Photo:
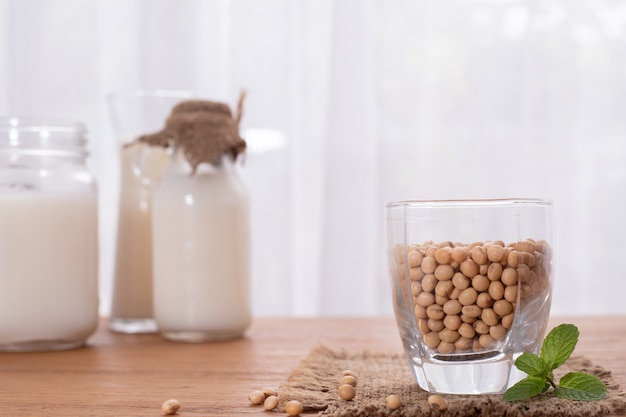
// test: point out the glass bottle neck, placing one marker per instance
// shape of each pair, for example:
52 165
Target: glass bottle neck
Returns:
181 165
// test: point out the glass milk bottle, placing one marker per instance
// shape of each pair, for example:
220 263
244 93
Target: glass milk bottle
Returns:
200 227
48 237
134 113
201 252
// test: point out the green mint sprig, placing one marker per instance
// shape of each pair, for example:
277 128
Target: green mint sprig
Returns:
555 350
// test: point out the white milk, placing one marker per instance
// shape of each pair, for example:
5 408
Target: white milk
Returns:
201 255
48 269
132 290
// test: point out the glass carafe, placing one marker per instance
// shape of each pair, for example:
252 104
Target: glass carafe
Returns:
135 113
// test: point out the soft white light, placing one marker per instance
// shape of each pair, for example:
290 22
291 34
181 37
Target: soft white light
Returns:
189 199
262 140
13 137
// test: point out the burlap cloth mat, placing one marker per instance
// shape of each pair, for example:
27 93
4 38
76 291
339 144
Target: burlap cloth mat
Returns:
314 383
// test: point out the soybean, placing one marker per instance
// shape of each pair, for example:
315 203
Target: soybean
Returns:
256 397
393 402
437 402
463 344
481 327
469 268
270 403
496 290
429 282
479 255
428 265
414 259
489 317
435 325
444 272
468 296
487 341
170 407
480 283
452 307
509 276
445 348
502 308
415 274
346 392
435 311
507 321
452 322
348 379
484 300
472 311
460 281
269 392
444 288
498 332
495 253
494 272
294 408
432 340
510 293
348 372
425 299
442 256
458 254
466 330
448 335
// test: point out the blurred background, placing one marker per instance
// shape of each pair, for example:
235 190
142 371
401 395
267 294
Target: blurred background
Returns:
352 104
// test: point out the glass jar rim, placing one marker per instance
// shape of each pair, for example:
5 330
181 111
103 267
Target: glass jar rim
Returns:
31 134
478 202
37 124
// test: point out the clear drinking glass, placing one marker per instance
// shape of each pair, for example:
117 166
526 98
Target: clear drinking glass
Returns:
136 113
472 283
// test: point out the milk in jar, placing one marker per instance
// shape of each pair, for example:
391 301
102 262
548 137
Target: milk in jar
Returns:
134 113
48 237
200 226
131 307
201 254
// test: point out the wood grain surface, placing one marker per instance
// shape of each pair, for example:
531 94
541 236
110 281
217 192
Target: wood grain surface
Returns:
132 375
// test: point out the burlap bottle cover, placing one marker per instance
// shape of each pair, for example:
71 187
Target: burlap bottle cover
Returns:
203 130
315 383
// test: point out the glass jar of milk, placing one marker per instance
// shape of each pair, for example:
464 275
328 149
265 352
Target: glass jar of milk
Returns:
200 225
48 237
200 232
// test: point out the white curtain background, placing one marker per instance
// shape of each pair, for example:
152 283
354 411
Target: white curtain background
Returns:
353 104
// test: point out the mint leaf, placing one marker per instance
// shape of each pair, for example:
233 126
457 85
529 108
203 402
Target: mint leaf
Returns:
580 386
559 345
526 388
532 364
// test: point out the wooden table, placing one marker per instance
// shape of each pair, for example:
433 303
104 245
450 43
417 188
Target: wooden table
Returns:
131 375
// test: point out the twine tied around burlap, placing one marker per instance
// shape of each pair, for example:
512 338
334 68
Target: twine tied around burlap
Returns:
314 383
203 130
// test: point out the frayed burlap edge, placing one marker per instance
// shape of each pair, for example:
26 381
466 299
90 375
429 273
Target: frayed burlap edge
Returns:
314 383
